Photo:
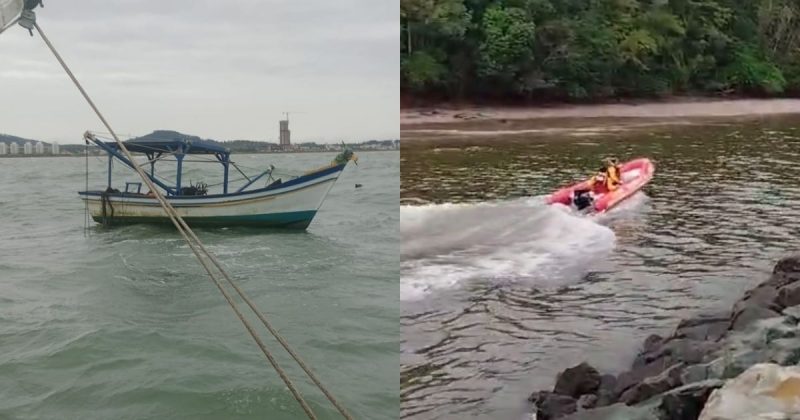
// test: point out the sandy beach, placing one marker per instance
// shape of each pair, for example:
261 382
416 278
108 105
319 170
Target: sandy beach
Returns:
583 120
684 108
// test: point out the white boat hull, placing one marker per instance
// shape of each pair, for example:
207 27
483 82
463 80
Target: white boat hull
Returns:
291 205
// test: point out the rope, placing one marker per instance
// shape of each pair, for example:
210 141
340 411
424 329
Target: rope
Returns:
104 200
86 202
199 250
9 25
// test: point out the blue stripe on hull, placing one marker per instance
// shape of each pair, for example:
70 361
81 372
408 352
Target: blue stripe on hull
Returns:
290 220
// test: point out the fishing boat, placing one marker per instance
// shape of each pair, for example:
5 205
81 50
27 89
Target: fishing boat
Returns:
634 175
263 200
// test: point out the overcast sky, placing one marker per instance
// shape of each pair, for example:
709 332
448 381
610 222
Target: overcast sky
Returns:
218 69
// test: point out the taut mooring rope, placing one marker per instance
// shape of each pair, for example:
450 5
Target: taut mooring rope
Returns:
200 252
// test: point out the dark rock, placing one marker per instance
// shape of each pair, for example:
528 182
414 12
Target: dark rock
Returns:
651 343
654 385
536 396
710 328
652 388
744 317
626 380
614 412
774 334
605 394
550 406
789 295
466 116
690 351
695 373
686 402
587 401
792 358
578 380
741 361
676 350
764 295
787 269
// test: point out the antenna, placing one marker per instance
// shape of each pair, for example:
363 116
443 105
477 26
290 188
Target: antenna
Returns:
287 113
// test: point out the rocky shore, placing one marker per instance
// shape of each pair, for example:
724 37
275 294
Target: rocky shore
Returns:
674 376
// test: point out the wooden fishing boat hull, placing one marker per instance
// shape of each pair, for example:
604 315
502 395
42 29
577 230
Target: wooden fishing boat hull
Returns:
292 204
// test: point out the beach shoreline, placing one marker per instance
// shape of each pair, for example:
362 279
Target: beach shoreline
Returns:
682 108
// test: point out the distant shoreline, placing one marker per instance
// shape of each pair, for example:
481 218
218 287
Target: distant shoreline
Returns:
685 107
21 156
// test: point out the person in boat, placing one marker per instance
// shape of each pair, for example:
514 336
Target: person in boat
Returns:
608 178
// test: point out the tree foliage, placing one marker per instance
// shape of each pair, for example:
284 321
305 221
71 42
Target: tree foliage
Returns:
599 48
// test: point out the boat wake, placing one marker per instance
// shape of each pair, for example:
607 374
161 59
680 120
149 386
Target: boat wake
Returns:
520 240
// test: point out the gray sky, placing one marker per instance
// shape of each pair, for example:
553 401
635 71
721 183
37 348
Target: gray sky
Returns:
218 69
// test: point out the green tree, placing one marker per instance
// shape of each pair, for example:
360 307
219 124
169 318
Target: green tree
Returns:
586 49
506 50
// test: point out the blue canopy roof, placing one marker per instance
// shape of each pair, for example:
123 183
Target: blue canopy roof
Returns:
188 146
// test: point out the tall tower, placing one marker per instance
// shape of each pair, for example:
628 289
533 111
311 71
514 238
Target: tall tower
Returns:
285 135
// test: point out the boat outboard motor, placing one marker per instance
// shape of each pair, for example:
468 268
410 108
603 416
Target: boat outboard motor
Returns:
582 199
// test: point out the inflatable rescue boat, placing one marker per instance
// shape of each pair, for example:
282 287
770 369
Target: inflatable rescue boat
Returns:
634 175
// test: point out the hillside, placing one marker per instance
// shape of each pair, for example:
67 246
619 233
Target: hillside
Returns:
540 51
236 146
7 138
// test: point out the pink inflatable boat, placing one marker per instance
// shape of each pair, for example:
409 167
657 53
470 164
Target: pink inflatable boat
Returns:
633 176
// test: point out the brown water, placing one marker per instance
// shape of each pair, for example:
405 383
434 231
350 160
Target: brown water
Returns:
501 292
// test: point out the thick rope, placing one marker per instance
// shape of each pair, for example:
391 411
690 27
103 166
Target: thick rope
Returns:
9 25
86 202
196 247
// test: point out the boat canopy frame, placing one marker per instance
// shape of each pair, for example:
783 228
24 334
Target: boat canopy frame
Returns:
155 149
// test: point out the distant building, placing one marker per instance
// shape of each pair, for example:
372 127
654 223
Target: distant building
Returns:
27 148
13 148
39 148
54 148
3 149
285 134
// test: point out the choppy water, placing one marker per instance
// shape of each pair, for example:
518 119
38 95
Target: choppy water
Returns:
123 323
501 292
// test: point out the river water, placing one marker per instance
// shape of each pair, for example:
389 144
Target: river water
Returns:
123 322
501 292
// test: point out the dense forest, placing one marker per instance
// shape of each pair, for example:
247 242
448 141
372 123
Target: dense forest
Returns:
598 49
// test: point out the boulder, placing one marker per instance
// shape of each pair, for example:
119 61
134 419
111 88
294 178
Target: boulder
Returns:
686 402
764 295
747 315
695 373
792 314
652 386
551 406
709 327
615 412
577 380
636 375
676 350
734 363
605 394
787 270
587 401
764 391
789 295
651 343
